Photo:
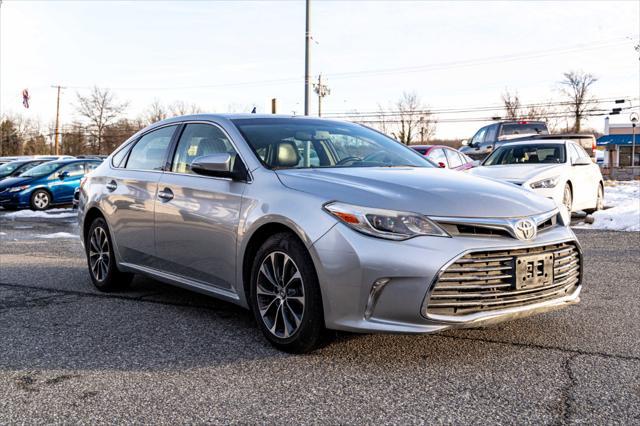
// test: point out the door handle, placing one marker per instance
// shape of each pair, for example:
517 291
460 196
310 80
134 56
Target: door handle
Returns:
166 194
111 186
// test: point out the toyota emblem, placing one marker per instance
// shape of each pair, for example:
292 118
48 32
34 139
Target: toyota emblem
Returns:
525 229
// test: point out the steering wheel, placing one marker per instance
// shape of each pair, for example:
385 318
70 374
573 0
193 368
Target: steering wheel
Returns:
372 156
347 159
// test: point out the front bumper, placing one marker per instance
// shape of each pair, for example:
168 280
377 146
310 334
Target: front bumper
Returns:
14 199
375 285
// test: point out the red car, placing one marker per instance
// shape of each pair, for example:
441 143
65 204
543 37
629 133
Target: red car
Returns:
445 157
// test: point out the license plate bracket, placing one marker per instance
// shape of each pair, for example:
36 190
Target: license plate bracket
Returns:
533 271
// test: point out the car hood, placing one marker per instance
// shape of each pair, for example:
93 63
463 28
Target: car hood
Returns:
515 173
14 181
430 191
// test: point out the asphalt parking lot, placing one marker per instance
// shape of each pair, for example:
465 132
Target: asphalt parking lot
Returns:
158 354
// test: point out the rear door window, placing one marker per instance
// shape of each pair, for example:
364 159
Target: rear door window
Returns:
150 152
453 158
437 156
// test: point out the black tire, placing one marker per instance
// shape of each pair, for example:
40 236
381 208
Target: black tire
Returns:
101 261
310 331
567 197
599 201
40 199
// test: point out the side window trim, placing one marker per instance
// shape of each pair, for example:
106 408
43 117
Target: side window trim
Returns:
173 147
173 136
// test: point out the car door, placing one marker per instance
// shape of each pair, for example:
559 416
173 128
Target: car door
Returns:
579 177
64 181
197 216
592 177
130 194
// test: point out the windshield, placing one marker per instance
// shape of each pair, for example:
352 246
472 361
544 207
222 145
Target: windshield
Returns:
298 143
527 154
41 170
523 129
7 169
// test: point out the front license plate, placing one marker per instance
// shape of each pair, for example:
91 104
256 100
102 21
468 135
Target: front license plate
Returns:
534 271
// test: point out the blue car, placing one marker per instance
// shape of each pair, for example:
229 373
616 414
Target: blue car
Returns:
45 185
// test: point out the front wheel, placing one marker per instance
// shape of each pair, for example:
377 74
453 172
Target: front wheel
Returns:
40 200
101 261
567 197
285 295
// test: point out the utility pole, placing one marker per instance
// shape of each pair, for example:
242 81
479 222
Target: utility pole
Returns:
57 133
321 90
273 105
307 37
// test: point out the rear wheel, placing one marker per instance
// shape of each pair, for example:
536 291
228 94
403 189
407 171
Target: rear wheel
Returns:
567 197
285 295
104 272
40 200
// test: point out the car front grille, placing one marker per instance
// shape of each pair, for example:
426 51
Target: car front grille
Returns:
485 281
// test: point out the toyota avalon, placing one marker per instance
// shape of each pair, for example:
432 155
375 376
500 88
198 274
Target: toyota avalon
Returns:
315 224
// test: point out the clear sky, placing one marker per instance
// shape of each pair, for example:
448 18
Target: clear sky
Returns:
239 54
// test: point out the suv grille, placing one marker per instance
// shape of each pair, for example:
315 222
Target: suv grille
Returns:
484 281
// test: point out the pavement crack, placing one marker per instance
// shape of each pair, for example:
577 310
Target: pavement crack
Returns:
567 392
543 347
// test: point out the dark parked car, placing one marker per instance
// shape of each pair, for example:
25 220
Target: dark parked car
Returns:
45 185
15 168
492 136
445 157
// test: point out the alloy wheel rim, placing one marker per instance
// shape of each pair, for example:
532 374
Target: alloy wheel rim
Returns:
41 200
567 198
280 294
99 256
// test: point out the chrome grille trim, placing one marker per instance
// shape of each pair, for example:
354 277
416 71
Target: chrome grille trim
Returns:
481 282
495 227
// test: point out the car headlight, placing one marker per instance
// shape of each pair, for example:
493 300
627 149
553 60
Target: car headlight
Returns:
382 223
18 188
545 183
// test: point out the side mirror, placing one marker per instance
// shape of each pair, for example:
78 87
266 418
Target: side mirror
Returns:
63 175
217 165
582 161
442 165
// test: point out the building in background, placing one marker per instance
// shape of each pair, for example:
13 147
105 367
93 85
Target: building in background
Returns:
617 143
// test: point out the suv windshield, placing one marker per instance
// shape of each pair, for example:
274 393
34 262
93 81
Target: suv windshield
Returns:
527 154
41 170
300 143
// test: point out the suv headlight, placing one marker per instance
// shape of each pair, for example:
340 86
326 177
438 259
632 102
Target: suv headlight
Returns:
545 183
18 188
382 223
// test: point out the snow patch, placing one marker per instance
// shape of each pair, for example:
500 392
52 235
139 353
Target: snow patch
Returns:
623 198
53 213
57 235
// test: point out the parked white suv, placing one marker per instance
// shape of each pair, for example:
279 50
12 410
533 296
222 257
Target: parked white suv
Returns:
559 169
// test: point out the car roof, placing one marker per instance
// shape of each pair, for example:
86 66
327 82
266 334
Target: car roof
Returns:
536 142
74 160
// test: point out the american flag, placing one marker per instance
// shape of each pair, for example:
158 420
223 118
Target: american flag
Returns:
25 98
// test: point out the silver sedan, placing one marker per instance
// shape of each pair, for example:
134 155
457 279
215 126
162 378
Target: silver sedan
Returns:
315 225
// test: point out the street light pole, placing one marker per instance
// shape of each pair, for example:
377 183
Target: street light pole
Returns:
307 37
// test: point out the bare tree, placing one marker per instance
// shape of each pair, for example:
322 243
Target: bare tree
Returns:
155 112
182 108
101 109
511 105
414 119
576 87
